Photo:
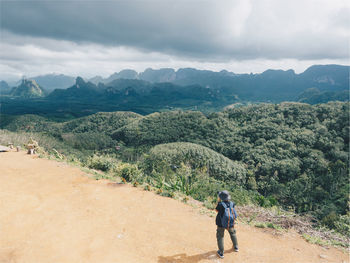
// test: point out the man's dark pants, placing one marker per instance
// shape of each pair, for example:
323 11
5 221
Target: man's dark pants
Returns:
220 232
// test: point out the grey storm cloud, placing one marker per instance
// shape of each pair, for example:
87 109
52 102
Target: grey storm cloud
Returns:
201 30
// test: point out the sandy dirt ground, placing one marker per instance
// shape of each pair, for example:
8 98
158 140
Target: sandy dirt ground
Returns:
51 212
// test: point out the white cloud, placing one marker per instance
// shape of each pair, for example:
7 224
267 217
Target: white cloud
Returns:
101 37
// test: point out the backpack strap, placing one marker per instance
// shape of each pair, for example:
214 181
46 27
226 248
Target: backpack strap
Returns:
233 214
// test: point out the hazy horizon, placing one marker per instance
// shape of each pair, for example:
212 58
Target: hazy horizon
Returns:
108 75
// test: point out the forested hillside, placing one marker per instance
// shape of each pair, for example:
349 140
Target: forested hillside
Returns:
296 153
291 154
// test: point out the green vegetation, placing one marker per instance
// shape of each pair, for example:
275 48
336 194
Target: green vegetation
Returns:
267 225
104 163
315 96
294 154
175 155
314 239
291 155
102 122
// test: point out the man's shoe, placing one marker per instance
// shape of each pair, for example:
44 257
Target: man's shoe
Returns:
236 249
220 254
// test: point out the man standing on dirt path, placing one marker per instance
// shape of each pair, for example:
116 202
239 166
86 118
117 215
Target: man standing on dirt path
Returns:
225 219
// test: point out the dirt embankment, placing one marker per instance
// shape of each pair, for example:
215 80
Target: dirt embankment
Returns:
51 212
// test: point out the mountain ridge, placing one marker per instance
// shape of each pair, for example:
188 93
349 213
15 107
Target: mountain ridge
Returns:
271 85
28 89
190 89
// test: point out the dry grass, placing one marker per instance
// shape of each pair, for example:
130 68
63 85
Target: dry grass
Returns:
287 220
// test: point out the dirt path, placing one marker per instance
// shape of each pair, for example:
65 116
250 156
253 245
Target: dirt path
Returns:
50 212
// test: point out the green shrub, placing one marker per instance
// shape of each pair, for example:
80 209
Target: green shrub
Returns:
103 163
315 240
129 172
241 196
210 202
342 224
175 155
170 194
260 225
329 220
251 183
101 122
88 140
273 226
266 201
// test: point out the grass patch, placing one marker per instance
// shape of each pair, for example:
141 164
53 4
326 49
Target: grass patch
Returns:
315 240
260 225
274 226
268 225
167 194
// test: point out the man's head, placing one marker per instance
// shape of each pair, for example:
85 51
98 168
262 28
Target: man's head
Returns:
224 195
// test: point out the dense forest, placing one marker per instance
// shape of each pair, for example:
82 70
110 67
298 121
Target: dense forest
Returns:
293 155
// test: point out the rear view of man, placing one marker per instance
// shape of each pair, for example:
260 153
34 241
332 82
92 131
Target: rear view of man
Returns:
225 219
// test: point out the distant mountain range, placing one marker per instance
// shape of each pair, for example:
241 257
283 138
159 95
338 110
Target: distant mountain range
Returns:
335 76
185 76
154 90
271 85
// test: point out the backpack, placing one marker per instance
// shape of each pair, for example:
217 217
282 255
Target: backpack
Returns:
228 218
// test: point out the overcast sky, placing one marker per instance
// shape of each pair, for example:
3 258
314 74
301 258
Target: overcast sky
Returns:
89 38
